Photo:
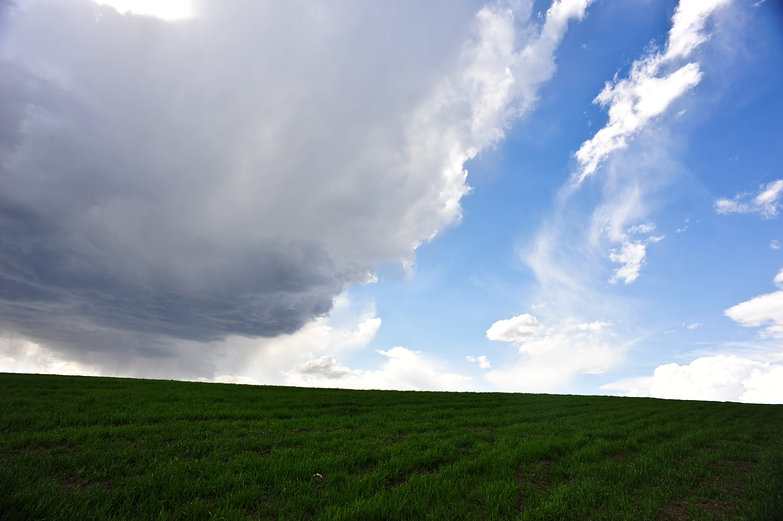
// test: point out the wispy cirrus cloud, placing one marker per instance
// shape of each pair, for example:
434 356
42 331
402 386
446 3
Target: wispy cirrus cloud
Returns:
616 228
587 242
765 203
655 81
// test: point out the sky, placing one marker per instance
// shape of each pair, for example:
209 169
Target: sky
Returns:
569 196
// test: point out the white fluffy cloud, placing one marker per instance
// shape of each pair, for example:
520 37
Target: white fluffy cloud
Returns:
766 202
764 311
550 357
723 377
515 329
653 83
228 174
719 377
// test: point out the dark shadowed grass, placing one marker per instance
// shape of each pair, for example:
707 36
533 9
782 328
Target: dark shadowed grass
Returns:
100 448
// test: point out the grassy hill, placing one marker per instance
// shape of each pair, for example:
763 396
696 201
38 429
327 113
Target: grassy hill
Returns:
103 448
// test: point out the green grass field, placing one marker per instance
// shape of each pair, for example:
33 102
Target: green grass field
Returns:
102 448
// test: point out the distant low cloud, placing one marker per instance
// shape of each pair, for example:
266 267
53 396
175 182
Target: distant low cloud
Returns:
763 311
765 203
720 378
724 377
402 369
551 356
324 367
18 355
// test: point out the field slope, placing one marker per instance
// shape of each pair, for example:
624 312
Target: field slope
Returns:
102 448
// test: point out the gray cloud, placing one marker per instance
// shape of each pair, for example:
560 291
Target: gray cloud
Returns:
230 174
226 175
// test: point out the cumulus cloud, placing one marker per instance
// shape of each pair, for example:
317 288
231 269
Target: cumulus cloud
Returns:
766 202
719 378
516 329
653 83
230 173
551 356
723 377
765 311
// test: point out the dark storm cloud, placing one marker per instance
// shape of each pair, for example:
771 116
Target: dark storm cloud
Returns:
174 184
270 290
226 175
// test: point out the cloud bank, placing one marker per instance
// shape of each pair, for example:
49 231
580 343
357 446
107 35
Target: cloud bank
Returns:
229 174
719 378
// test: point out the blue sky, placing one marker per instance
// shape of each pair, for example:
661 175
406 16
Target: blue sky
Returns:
569 197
